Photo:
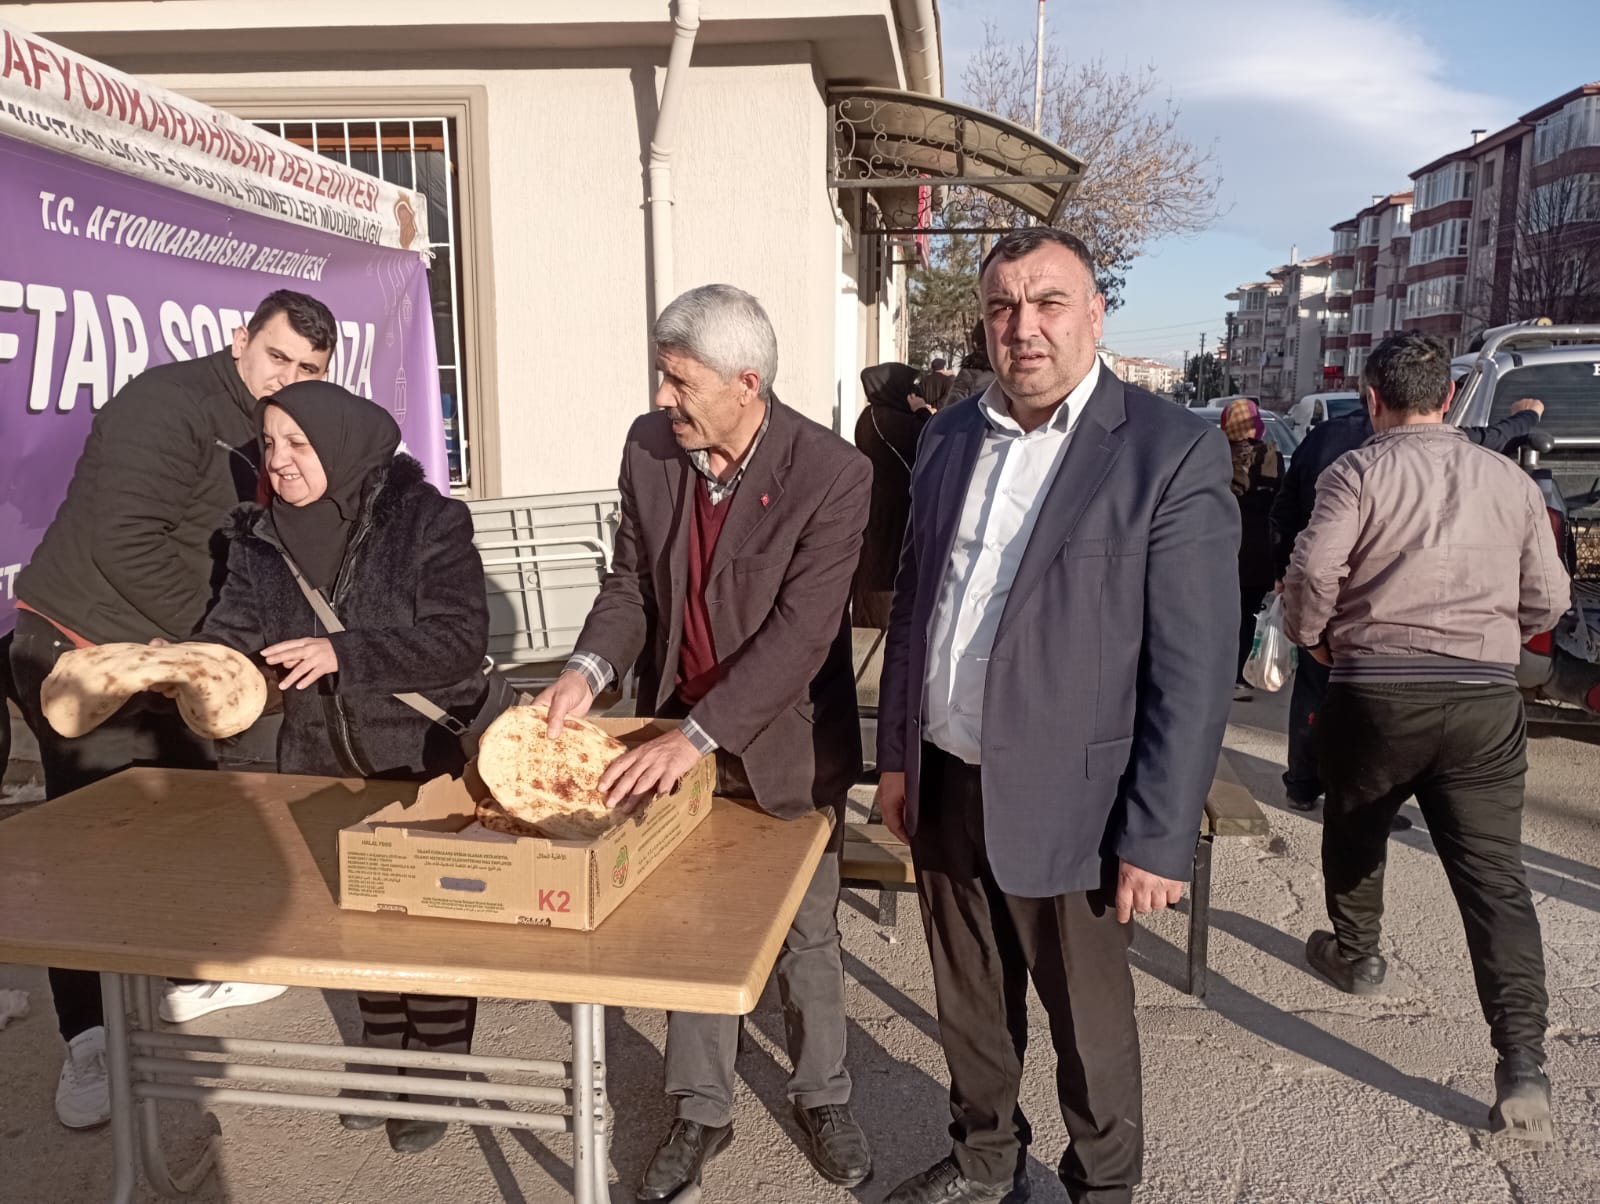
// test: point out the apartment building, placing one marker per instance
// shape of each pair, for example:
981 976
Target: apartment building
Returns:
1293 365
1378 283
1341 291
1260 307
1147 373
1507 228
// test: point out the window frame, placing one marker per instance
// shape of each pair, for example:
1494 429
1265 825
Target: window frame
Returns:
467 105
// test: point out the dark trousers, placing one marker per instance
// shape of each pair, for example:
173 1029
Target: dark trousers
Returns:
1462 751
7 691
1302 781
810 971
146 731
984 945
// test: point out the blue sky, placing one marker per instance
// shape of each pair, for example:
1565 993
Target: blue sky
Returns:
1313 106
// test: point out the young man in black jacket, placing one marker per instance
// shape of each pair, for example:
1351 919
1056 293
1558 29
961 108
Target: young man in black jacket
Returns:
1291 511
136 552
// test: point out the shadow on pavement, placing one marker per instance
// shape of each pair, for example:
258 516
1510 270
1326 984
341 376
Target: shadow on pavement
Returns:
1544 869
1165 961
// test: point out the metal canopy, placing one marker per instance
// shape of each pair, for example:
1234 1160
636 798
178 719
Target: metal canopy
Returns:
883 138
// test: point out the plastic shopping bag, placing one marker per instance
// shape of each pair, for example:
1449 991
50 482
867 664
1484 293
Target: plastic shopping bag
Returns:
1271 656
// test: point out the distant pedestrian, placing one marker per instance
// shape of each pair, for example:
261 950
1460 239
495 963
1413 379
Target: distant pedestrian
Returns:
1426 564
886 433
937 365
976 373
932 390
1257 475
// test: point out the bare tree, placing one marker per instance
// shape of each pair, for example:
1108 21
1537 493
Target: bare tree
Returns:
1143 180
1555 269
1554 265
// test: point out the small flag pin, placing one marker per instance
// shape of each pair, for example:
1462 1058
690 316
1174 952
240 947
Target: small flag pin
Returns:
764 499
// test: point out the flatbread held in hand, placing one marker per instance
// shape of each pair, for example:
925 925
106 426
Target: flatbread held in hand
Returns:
220 692
551 786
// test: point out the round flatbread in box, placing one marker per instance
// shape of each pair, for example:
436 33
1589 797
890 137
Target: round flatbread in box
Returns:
552 786
220 692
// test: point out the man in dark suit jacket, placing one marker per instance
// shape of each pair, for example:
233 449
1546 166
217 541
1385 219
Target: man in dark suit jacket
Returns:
1055 687
741 527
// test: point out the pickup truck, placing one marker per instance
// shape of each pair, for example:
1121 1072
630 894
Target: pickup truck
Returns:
1560 365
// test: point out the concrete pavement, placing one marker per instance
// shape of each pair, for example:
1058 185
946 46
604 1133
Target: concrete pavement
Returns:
1275 1088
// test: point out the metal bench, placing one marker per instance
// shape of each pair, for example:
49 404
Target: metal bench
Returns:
544 557
873 857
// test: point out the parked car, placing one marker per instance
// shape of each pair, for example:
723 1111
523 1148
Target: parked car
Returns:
1279 432
1559 365
1316 408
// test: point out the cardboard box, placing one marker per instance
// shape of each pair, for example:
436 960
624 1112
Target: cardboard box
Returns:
417 859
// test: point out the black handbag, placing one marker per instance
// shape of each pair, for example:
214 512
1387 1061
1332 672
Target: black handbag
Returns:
499 695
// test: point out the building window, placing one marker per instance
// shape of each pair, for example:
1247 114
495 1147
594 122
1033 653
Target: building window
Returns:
1344 241
1369 232
1357 361
1485 231
1402 222
1446 240
1561 202
1575 125
420 154
1431 297
1452 182
1488 176
1361 319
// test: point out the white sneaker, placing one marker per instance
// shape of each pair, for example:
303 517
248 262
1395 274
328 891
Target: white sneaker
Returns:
181 1004
83 1094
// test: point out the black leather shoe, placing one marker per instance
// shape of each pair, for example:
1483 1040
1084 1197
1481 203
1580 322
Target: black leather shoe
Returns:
1521 1100
679 1159
835 1143
943 1183
1353 976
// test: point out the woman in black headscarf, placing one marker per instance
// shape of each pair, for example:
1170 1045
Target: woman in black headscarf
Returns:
886 432
396 562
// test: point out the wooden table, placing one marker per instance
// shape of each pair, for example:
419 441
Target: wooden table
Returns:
196 874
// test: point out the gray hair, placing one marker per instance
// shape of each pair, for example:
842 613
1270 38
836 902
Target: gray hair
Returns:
724 328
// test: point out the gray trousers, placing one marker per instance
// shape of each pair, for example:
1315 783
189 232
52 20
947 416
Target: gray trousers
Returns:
810 973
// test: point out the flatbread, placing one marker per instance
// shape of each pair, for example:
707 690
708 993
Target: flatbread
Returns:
552 786
493 816
220 692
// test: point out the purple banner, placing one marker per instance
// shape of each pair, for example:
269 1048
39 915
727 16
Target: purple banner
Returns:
103 275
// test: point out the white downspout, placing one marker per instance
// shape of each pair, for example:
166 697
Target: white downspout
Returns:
686 23
921 27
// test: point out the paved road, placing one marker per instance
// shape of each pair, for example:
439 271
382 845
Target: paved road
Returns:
1275 1090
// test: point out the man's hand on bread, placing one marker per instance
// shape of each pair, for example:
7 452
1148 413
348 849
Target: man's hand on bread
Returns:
568 697
651 769
306 659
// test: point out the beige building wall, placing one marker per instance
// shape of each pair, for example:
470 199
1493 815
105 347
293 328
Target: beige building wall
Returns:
568 331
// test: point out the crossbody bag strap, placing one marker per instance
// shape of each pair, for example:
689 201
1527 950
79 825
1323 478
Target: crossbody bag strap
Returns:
324 612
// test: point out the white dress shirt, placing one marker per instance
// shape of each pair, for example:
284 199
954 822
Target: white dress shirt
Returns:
1013 473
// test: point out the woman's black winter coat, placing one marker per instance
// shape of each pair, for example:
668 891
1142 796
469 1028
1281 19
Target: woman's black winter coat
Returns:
411 595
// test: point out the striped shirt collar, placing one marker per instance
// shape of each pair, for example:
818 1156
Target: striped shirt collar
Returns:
720 491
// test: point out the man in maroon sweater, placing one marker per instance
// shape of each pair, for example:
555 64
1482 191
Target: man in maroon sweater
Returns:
741 527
